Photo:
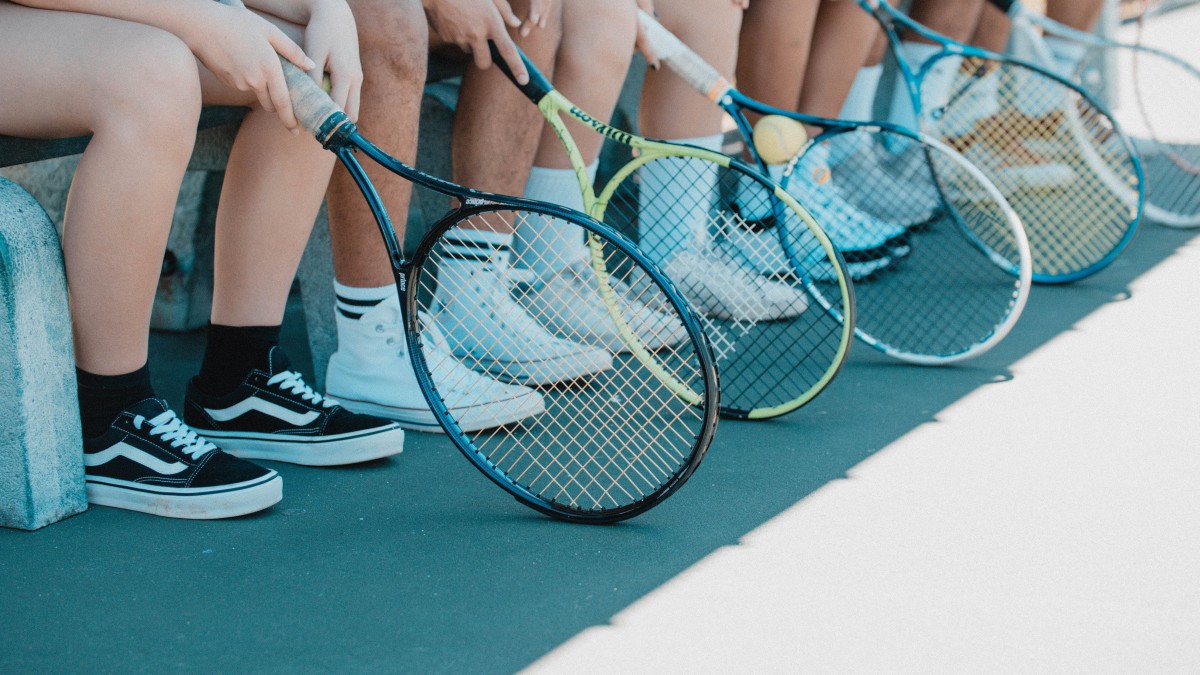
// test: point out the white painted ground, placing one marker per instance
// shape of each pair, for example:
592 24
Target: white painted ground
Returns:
1047 524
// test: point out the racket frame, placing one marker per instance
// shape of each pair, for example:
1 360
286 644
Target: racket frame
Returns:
553 104
334 130
1027 24
706 80
888 18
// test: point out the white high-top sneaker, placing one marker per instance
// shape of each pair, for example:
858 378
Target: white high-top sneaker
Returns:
371 373
486 328
569 304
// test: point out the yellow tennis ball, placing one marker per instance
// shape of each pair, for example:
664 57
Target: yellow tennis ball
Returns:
779 138
326 84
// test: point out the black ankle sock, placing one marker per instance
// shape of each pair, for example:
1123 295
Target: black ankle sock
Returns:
232 352
103 397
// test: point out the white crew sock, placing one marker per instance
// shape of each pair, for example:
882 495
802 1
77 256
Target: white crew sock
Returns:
935 87
860 103
352 301
674 202
546 245
1068 54
464 255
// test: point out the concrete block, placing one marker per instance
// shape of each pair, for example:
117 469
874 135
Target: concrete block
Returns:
184 295
183 300
41 450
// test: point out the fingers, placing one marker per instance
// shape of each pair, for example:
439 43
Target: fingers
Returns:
643 45
346 87
481 54
507 14
539 12
353 102
512 58
281 101
288 49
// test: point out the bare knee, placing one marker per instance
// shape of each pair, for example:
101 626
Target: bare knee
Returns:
393 39
599 35
151 90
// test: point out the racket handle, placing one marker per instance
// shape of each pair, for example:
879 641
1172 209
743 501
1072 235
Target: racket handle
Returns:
538 85
311 105
680 58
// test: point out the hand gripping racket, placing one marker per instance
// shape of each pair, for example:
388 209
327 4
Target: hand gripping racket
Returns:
942 260
615 428
1057 156
779 337
1159 97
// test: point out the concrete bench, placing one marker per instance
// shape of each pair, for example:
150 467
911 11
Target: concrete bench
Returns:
41 475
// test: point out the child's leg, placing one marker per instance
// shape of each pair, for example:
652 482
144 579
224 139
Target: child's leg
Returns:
371 371
136 90
589 69
246 397
670 108
141 101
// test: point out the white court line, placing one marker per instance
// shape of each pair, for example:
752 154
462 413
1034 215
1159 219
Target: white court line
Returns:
1050 523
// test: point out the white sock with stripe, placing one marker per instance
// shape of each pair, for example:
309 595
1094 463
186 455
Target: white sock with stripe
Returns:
352 302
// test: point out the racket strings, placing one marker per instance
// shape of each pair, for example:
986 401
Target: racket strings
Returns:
1056 159
1165 95
954 277
767 293
567 319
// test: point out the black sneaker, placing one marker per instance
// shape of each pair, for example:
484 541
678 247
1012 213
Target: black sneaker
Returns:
275 415
150 461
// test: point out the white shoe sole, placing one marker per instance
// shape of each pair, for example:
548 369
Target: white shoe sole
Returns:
202 504
544 372
311 451
472 418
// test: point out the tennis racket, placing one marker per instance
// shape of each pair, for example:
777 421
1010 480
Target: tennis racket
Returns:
951 268
1079 195
780 338
1158 101
621 430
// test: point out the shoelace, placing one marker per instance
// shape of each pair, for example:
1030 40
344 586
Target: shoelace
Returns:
175 432
293 383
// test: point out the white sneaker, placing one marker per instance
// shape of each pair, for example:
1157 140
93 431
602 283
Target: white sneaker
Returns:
569 305
489 331
1009 175
867 243
763 251
860 236
720 287
371 373
893 185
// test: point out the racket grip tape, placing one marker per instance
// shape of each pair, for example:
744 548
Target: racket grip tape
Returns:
682 60
311 105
